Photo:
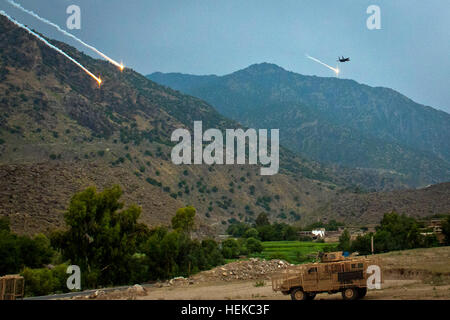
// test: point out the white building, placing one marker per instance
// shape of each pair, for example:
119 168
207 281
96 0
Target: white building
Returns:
319 232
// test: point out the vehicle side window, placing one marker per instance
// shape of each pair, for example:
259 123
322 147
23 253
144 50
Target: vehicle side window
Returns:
360 265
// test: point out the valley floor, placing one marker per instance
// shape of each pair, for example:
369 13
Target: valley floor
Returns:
419 274
246 290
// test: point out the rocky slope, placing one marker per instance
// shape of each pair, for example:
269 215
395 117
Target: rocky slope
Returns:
366 208
60 132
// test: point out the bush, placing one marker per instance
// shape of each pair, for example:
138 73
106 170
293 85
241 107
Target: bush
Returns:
344 241
396 232
230 249
254 245
237 229
251 233
153 182
40 282
278 255
17 252
260 283
170 254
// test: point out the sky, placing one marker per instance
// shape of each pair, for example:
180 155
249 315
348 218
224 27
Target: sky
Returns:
410 53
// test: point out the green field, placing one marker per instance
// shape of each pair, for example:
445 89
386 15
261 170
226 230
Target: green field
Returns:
294 251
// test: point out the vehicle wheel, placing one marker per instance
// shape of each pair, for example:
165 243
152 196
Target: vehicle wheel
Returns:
362 293
350 294
298 294
310 296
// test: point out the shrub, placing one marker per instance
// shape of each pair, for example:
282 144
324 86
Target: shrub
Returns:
40 282
153 182
230 249
251 233
254 245
260 283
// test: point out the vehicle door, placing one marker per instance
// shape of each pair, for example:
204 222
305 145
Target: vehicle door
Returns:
310 279
324 278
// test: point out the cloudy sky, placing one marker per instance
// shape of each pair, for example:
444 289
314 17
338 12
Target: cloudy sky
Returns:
411 52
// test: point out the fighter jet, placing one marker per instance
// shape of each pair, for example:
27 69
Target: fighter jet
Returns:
343 59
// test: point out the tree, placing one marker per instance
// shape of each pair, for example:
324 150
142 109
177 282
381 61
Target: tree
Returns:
184 219
254 245
173 253
268 233
4 224
397 232
102 236
446 230
17 252
262 220
251 233
345 241
362 244
238 229
10 261
230 249
35 252
284 231
212 253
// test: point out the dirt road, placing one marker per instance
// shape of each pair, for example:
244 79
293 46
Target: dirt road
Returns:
391 290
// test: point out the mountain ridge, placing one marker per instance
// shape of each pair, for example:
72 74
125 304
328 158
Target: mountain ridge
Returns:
61 133
350 124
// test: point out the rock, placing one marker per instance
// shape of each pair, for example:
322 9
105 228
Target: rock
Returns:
250 269
140 290
95 294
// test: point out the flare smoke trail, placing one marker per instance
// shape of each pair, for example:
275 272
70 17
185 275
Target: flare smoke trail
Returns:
18 6
3 13
336 70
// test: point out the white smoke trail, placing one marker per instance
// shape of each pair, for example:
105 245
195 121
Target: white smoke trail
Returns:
3 13
336 70
18 6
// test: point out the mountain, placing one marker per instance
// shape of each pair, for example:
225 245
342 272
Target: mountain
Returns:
60 133
333 121
366 208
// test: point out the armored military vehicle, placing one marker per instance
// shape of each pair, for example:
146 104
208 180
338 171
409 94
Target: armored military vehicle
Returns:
334 273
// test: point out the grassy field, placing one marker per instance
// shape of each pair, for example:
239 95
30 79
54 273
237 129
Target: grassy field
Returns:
294 251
